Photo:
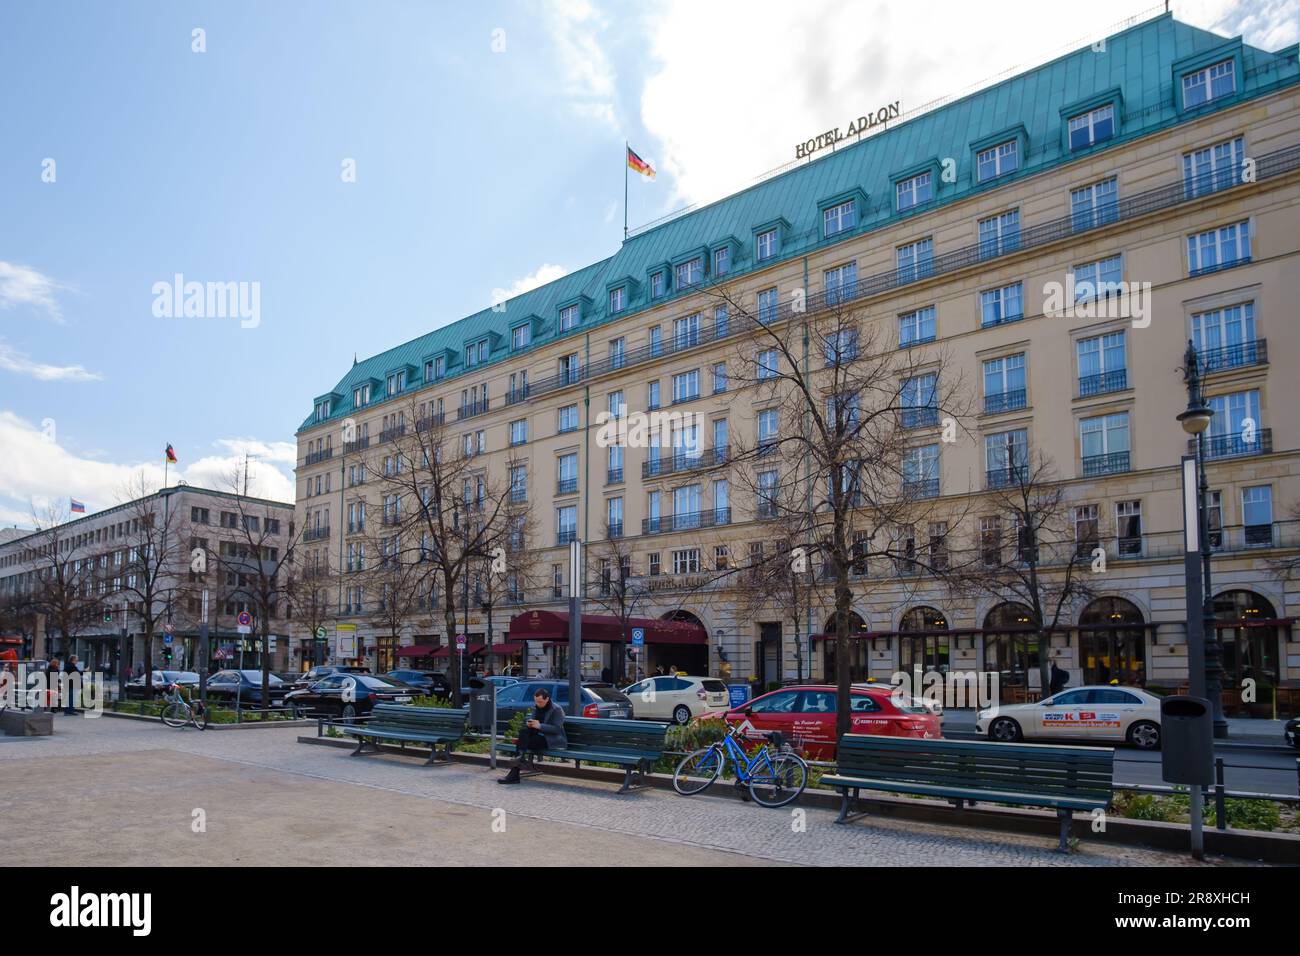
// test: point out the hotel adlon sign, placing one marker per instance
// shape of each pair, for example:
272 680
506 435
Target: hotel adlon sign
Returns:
858 126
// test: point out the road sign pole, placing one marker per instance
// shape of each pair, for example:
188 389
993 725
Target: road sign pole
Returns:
575 627
203 652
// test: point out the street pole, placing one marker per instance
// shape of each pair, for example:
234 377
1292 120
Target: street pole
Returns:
121 657
1196 674
1213 661
203 652
575 625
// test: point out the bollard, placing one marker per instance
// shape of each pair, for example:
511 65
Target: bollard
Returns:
1220 802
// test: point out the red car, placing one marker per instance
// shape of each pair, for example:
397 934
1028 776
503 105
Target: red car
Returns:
808 712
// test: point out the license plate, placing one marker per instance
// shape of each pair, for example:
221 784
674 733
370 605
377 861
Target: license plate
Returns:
618 713
401 700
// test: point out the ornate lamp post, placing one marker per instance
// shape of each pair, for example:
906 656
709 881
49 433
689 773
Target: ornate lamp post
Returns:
1195 419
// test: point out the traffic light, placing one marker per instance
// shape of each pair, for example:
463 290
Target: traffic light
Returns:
167 655
108 615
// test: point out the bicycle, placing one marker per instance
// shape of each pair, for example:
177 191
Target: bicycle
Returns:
773 779
179 712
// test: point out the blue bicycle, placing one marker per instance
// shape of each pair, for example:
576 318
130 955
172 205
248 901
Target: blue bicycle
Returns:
773 779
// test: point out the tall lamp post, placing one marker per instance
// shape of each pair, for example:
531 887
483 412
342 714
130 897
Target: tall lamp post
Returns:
1208 678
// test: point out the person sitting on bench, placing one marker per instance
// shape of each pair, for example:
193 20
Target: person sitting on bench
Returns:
544 730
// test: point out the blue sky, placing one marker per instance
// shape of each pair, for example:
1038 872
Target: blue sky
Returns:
487 140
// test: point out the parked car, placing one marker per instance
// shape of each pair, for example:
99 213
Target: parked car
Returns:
347 695
1291 731
135 687
307 678
246 685
806 714
498 679
429 683
596 701
1104 712
677 698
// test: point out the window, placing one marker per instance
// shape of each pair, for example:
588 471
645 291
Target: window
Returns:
915 260
1234 429
720 431
1092 127
616 353
841 347
1093 280
1102 366
686 561
721 557
997 161
652 564
767 488
1104 444
652 395
991 541
686 331
916 327
914 191
1214 518
1209 84
521 336
1095 204
361 396
921 471
1004 384
567 468
767 363
614 471
686 386
1218 248
322 410
518 483
690 273
614 517
1128 527
1086 532
1002 305
617 405
721 501
618 299
656 341
557 590
200 516
999 234
919 397
841 283
566 524
938 545
1006 458
1214 167
722 261
657 285
765 245
720 325
838 218
767 305
653 510
568 418
1225 338
768 429
394 383
570 369
1257 515
686 507
719 377
476 354
519 432
568 318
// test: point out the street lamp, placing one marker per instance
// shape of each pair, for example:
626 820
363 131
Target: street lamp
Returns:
1195 420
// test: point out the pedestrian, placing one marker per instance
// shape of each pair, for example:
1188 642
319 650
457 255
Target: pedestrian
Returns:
69 669
1059 678
672 670
606 675
544 730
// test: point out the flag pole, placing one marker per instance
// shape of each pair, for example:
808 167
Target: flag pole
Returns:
626 147
166 464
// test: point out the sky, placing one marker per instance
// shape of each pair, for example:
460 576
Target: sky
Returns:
363 173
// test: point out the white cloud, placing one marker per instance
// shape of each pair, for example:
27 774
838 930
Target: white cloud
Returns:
545 273
785 72
37 469
14 361
24 286
587 74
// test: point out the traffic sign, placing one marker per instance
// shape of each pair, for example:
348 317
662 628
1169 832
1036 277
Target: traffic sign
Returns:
320 633
167 639
460 642
638 636
245 619
244 629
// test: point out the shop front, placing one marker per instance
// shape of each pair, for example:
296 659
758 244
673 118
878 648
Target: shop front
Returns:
682 644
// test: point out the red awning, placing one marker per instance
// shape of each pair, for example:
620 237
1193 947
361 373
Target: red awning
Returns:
445 650
508 649
603 629
417 650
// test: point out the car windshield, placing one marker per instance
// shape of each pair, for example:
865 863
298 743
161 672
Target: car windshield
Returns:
375 683
714 686
609 694
256 677
180 675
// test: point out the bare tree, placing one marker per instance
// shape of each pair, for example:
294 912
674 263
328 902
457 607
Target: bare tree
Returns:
398 579
65 590
311 593
615 589
150 580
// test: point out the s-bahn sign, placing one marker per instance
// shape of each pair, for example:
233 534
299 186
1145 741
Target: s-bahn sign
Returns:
859 125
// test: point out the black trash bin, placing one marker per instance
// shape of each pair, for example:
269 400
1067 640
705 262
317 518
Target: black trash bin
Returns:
482 706
1186 740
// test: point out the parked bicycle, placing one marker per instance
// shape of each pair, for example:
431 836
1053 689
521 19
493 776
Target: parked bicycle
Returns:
179 712
773 779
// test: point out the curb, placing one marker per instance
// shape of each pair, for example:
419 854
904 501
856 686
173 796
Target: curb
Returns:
244 726
1245 744
1252 845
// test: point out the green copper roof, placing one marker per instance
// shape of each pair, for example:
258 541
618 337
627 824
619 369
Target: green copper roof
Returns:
1139 71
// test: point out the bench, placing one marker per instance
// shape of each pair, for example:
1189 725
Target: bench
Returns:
1065 779
634 745
401 722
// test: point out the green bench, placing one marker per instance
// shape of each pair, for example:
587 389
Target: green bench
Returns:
400 722
634 745
1065 779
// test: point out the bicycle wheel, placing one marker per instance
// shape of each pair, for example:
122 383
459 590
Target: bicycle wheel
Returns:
780 782
697 771
200 716
175 715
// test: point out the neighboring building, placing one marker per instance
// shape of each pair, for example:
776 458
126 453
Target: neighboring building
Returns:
102 557
1170 156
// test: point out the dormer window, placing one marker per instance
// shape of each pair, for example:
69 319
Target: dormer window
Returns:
1092 127
322 410
476 354
617 299
915 190
839 217
657 285
1209 83
721 261
997 161
765 245
690 273
521 336
361 395
395 383
568 318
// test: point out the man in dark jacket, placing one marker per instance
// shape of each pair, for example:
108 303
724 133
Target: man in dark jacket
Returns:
69 668
544 730
1059 678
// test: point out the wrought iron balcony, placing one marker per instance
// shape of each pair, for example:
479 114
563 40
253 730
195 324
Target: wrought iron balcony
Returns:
1113 381
614 476
565 537
316 534
566 486
1241 355
615 530
516 395
1130 546
1007 401
472 408
922 417
356 445
391 519
1096 465
315 457
708 458
390 434
1008 477
518 495
921 487
1258 535
1234 446
430 421
689 521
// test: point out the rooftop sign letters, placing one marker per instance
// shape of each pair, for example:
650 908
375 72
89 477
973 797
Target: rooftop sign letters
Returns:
857 127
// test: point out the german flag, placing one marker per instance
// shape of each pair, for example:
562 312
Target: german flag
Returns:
640 165
171 455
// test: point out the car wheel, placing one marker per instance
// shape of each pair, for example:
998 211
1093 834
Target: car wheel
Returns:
349 713
1145 735
681 714
1005 730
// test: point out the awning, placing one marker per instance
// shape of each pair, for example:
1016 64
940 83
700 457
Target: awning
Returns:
508 649
417 650
446 649
603 629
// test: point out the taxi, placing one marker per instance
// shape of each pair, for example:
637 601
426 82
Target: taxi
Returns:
1102 713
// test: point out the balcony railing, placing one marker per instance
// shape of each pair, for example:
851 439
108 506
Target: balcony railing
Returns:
471 409
1095 465
1004 401
1130 546
615 530
1258 535
391 520
390 434
316 534
614 476
356 527
920 417
1115 380
518 495
315 457
565 537
430 421
356 445
1235 446
1008 477
566 486
921 487
708 458
688 521
1241 355
516 395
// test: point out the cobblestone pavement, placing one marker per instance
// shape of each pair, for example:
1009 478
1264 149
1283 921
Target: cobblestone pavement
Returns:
286 793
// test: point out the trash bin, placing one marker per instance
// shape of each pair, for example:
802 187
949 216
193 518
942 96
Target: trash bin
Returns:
1186 740
482 705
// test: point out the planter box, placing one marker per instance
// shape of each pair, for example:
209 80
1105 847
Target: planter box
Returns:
27 723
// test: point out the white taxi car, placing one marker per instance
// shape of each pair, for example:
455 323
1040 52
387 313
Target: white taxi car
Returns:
677 697
1103 712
